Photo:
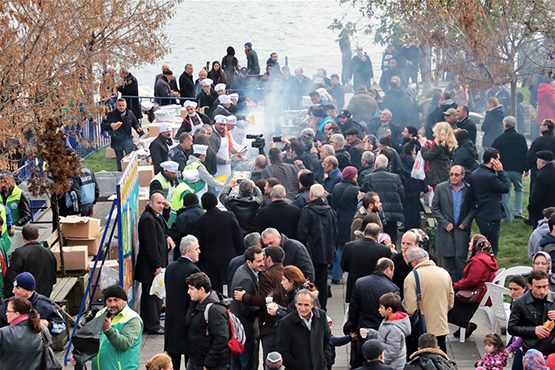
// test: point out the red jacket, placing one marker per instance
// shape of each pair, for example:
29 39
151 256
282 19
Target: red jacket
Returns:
546 102
479 269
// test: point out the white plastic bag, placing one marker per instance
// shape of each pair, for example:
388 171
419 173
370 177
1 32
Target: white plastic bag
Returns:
418 169
108 277
158 287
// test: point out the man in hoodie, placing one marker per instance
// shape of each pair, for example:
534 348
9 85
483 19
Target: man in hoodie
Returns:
541 194
318 230
542 230
429 356
392 331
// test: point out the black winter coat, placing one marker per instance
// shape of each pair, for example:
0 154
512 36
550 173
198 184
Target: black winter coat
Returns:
186 87
159 150
364 300
513 149
468 125
344 202
302 198
492 125
304 349
130 87
391 192
152 246
438 163
177 302
318 231
359 259
524 319
182 225
486 187
39 261
280 215
544 142
208 343
221 238
123 134
466 155
243 207
296 254
400 104
430 359
437 116
375 365
542 194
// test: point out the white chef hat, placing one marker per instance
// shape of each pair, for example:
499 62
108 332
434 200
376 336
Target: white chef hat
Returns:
170 166
219 87
231 120
147 105
200 149
224 99
218 118
164 127
190 103
191 176
234 96
206 81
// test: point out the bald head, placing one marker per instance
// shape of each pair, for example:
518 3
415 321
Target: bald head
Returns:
409 241
260 162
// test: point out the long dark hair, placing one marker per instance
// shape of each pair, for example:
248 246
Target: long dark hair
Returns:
24 307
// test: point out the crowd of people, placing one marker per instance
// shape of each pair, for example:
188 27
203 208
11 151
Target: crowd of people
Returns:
342 196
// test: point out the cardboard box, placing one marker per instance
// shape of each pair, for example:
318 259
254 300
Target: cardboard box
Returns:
91 243
110 153
80 227
75 258
125 161
143 201
146 173
153 130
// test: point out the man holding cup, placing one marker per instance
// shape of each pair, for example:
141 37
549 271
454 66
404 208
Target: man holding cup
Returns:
270 290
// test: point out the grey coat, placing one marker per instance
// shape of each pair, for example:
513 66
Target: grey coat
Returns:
447 243
393 333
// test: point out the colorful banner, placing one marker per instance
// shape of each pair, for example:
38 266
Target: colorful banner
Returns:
128 221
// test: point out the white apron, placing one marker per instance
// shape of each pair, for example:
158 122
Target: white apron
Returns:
223 153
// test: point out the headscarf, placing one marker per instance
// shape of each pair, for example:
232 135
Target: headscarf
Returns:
534 360
547 258
481 244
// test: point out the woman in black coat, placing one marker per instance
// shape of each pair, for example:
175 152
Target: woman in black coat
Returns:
344 201
216 74
230 65
493 122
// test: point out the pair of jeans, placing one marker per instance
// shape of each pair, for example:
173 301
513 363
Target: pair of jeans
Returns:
515 178
491 230
125 148
336 272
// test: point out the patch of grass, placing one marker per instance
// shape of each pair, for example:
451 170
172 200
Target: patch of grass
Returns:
526 93
97 161
513 240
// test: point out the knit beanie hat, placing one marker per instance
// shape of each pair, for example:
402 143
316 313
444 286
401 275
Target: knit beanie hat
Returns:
307 179
114 291
274 361
209 200
26 281
349 173
190 199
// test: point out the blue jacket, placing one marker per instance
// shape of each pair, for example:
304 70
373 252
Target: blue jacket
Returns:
333 178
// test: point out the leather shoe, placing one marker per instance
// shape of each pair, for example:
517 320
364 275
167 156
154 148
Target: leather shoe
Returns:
470 330
160 331
457 333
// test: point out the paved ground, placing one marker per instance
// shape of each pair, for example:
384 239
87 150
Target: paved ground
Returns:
465 354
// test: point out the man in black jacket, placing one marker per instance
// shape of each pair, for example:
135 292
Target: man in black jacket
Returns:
129 87
512 148
304 347
363 309
541 194
360 256
163 89
429 356
118 124
185 217
244 202
296 253
180 153
544 142
33 258
177 299
279 214
152 257
246 278
529 313
221 239
392 194
306 180
488 183
465 123
318 230
207 340
160 147
186 84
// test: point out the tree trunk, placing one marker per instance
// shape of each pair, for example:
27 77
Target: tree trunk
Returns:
513 97
56 229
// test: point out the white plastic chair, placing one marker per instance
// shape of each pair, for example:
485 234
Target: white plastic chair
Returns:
511 271
499 275
501 310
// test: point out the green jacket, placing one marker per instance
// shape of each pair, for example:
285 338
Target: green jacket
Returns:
120 346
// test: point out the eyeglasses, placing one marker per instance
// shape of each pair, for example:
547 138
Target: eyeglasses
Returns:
10 311
455 174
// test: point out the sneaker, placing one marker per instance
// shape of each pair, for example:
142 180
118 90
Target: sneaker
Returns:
520 217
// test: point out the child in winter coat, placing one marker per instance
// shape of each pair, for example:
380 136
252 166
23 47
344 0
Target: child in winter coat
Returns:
392 331
496 354
338 341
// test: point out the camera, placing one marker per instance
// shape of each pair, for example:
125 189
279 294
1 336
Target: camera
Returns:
258 142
